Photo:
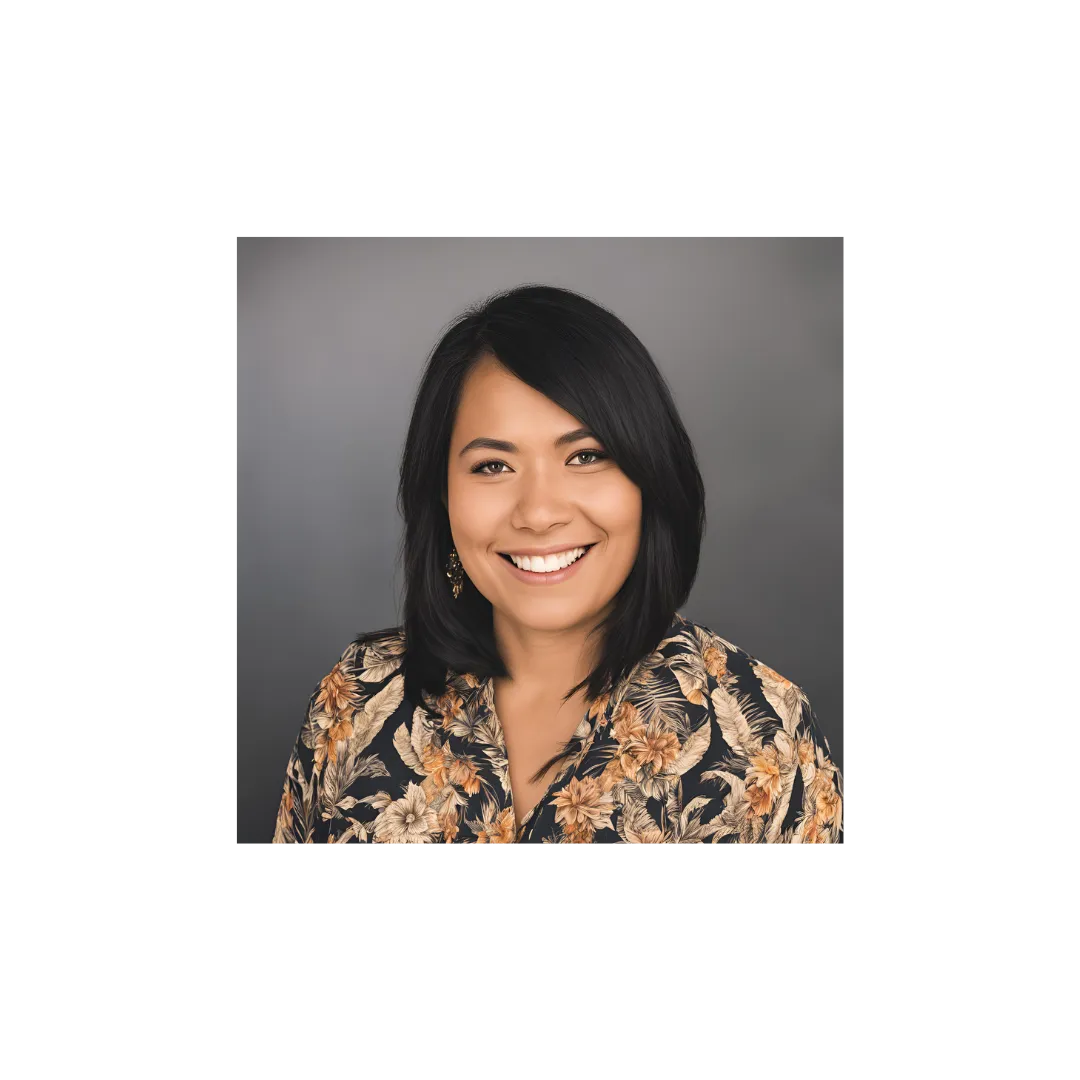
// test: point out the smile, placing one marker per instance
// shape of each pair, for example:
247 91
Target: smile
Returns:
546 570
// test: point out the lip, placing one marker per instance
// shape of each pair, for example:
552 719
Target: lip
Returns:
527 577
552 549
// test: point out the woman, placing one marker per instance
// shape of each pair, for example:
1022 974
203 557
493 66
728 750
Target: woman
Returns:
543 687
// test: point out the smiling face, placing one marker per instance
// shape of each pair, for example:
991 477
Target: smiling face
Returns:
543 494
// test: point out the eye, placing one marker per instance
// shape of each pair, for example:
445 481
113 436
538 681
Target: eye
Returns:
481 469
483 465
599 455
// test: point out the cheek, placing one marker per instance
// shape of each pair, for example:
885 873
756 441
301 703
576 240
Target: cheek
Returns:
617 509
474 515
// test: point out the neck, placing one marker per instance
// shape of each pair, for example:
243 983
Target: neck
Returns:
544 662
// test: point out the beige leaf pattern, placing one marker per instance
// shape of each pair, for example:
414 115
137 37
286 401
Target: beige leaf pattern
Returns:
700 743
403 745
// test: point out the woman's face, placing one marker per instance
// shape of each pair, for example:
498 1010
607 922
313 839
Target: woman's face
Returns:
539 495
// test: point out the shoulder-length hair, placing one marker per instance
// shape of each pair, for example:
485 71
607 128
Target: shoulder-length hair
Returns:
587 361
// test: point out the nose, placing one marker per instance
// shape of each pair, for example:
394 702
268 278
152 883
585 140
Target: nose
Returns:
541 501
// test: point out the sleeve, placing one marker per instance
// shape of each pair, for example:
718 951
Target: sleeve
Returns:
816 815
772 767
326 766
299 820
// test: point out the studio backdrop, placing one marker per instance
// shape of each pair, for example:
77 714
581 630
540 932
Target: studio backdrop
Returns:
332 337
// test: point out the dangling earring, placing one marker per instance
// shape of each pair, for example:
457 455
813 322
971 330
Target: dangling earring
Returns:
454 572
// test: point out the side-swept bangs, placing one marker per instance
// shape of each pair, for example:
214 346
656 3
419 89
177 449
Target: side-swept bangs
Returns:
587 361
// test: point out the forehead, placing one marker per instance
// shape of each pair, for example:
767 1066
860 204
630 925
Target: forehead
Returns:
496 402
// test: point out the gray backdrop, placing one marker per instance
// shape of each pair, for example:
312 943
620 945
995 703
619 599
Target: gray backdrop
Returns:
332 336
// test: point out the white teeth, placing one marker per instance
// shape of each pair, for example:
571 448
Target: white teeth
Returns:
547 564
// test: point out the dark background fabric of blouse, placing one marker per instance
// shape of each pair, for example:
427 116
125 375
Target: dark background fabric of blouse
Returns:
702 742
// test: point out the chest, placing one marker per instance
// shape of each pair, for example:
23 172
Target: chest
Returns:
527 795
533 732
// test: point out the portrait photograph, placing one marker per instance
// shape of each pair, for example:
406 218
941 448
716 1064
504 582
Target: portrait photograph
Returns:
540 540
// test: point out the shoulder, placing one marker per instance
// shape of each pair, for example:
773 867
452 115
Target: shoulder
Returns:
767 767
732 670
356 696
372 657
340 757
369 659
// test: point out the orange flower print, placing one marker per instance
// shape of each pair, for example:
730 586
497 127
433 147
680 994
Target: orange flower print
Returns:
824 801
651 746
661 756
826 805
331 732
448 822
334 731
582 805
465 775
764 771
435 761
499 829
450 706
612 774
507 826
760 800
582 833
715 661
822 782
338 691
626 723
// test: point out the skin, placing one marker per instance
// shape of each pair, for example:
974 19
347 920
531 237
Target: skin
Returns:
540 495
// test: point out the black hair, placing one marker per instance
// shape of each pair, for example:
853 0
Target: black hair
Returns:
587 361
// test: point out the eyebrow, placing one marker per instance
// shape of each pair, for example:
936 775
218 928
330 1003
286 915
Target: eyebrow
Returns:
486 443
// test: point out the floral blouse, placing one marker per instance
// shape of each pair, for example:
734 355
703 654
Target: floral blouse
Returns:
700 742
